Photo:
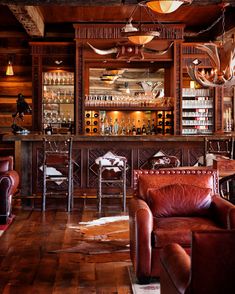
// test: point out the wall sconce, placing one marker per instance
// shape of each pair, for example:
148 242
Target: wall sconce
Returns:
9 70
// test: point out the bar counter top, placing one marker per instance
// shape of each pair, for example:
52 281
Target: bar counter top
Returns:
34 136
138 150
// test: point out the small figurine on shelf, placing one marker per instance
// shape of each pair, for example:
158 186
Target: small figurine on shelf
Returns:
22 107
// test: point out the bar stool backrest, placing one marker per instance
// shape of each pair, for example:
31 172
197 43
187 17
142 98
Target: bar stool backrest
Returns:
218 146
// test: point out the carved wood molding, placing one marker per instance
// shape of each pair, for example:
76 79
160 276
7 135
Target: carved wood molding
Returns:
55 48
100 2
84 32
30 18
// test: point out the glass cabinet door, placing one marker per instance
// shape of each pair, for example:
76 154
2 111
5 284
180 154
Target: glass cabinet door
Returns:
58 102
197 112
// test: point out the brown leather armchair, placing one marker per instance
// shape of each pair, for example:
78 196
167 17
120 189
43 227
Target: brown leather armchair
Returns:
210 270
167 206
9 181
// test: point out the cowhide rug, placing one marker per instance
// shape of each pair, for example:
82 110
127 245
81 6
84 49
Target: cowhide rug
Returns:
152 288
105 239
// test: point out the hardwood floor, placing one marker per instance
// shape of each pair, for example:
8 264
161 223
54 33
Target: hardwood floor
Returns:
27 266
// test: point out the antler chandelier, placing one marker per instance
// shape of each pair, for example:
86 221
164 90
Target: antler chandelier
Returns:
222 59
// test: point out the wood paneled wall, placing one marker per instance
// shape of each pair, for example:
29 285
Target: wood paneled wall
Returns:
16 49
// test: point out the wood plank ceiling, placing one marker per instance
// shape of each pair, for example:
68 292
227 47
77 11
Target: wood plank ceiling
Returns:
53 18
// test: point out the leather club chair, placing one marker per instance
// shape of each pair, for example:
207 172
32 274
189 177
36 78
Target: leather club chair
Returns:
167 206
210 270
9 181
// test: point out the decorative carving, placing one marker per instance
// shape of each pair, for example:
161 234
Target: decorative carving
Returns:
178 75
194 155
79 82
30 18
130 51
113 31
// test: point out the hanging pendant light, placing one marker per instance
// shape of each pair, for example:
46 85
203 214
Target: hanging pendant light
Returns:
9 70
137 35
166 6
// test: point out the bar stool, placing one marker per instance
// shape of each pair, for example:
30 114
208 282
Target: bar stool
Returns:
218 146
163 161
57 170
112 171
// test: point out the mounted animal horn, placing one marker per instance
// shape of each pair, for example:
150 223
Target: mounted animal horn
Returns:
103 52
157 52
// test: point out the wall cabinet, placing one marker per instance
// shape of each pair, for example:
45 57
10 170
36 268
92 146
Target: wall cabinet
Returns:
58 102
127 119
197 112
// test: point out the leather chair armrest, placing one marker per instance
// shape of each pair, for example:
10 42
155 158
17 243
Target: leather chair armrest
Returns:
14 178
174 269
141 227
225 211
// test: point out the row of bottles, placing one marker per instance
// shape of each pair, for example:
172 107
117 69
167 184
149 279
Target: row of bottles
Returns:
160 122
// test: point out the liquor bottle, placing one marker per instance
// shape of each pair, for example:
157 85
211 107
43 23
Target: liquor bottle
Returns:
128 127
153 129
133 129
138 130
106 126
148 129
123 127
48 130
102 126
115 127
110 127
144 131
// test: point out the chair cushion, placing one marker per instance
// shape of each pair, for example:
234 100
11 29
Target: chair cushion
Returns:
178 229
179 200
4 165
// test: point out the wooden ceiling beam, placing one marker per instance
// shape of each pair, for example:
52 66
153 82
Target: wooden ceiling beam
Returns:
31 19
99 2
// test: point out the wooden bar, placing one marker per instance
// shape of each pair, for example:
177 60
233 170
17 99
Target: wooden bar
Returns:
137 149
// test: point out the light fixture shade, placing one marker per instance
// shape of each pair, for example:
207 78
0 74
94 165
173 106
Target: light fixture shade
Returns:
9 70
140 40
142 37
165 6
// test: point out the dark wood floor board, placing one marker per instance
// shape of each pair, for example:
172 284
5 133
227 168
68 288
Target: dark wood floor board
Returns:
105 276
33 258
122 277
67 278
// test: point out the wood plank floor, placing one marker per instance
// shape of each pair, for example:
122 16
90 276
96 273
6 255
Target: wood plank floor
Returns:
27 266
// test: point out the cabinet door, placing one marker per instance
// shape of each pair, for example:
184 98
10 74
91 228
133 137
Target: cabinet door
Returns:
197 111
58 102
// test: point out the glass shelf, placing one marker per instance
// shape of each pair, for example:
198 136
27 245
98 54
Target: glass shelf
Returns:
58 100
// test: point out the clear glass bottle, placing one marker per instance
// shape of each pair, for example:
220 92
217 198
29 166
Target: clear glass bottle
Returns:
116 127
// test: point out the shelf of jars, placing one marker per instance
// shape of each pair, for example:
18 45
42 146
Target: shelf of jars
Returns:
122 101
197 112
58 102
